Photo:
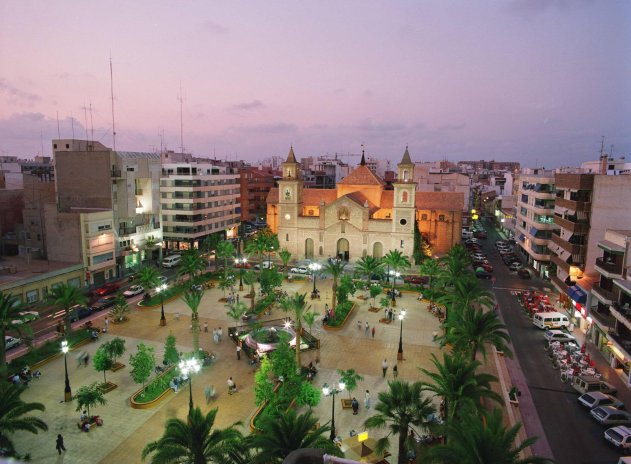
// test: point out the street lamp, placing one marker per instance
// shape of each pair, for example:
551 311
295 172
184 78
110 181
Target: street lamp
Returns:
332 391
160 289
269 254
240 262
314 267
400 353
67 390
190 366
395 275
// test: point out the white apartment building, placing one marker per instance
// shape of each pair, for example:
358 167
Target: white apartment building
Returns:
198 198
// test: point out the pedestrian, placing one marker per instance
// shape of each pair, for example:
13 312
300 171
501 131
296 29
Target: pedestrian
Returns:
177 315
326 308
359 325
60 443
86 359
205 327
219 334
395 371
106 326
232 387
237 298
384 367
238 351
373 331
367 400
367 328
214 335
355 406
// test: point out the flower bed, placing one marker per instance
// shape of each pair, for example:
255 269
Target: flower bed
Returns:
48 351
155 391
342 313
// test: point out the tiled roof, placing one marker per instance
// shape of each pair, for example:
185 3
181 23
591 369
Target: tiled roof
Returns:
440 200
361 175
361 200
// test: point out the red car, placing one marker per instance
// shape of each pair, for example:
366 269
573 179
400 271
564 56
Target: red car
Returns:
481 235
242 265
415 280
107 289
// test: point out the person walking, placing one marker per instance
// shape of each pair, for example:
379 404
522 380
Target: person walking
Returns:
359 325
86 359
355 406
106 325
384 367
60 444
219 334
395 371
367 399
238 351
205 327
366 328
232 387
373 331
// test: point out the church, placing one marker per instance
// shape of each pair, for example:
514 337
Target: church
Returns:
360 217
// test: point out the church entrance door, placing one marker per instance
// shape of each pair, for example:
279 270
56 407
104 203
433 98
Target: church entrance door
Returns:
309 248
343 249
377 250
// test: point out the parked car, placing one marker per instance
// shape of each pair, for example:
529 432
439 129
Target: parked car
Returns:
524 273
133 291
107 289
586 383
592 400
300 270
266 265
240 265
104 303
163 280
26 317
619 436
11 342
486 266
478 255
500 242
608 415
80 312
415 280
515 266
480 234
197 288
557 335
482 274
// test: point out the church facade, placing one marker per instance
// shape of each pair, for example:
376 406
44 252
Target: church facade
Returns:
359 217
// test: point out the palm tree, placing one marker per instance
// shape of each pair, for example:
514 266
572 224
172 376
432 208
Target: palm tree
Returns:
335 269
193 441
368 266
400 409
284 256
310 318
431 269
396 261
481 440
258 245
12 415
210 243
297 305
283 433
66 296
236 311
466 292
192 263
473 328
455 265
250 279
192 300
460 386
225 251
10 307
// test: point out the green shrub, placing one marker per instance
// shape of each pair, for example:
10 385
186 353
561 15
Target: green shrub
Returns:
261 305
341 310
156 387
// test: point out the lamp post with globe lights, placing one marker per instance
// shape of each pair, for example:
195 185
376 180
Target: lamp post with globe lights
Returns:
187 367
395 275
241 262
160 289
400 352
333 391
67 389
314 268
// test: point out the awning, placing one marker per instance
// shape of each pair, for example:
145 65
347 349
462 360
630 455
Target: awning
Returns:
533 231
521 237
577 294
610 246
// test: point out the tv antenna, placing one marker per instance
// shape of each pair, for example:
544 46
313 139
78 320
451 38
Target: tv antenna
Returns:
181 100
112 96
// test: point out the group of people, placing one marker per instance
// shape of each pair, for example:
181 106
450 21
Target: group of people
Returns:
311 371
217 333
315 295
367 329
329 313
355 403
177 381
390 314
25 376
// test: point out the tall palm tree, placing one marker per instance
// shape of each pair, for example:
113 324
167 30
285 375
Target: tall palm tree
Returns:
10 306
66 296
258 245
335 269
250 279
430 268
210 244
225 251
396 261
285 256
368 266
460 386
481 440
473 328
192 300
297 305
148 277
283 433
12 415
192 264
455 265
193 441
401 408
465 292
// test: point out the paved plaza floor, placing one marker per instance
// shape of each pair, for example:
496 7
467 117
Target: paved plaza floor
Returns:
126 431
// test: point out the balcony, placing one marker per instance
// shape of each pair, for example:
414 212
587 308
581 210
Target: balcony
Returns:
622 315
573 205
623 343
126 231
610 270
560 263
575 227
603 318
569 247
116 174
606 296
559 284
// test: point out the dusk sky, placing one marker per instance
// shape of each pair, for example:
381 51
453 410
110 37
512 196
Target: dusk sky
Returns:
533 81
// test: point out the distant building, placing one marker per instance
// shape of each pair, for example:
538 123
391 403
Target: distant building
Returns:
255 185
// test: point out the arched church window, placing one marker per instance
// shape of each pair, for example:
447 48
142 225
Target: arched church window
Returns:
405 175
404 197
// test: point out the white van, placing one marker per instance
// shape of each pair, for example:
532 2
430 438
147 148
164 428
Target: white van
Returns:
171 261
550 320
466 233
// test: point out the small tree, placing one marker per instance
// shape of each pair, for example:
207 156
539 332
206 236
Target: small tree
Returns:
171 355
263 384
115 348
310 318
120 310
285 256
350 379
384 302
375 290
143 363
89 396
102 360
308 395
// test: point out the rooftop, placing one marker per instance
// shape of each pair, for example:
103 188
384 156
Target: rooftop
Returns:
16 268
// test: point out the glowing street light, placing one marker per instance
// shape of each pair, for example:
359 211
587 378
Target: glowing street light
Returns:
315 267
67 390
333 391
395 275
190 366
400 352
160 289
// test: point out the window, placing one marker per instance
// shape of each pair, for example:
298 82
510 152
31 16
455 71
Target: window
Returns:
343 227
403 222
32 296
441 217
286 237
423 217
74 282
402 243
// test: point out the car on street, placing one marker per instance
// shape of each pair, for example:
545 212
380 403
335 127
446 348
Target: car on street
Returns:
240 265
107 289
515 266
80 312
557 335
484 265
524 273
133 291
594 399
104 303
608 415
163 280
11 342
480 234
478 255
26 317
620 437
197 288
480 273
300 270
415 280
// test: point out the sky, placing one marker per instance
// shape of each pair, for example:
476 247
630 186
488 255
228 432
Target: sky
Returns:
534 81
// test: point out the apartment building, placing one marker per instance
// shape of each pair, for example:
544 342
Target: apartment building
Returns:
611 316
125 183
199 198
535 218
255 184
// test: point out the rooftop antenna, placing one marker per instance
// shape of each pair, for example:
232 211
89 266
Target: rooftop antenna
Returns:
181 99
611 151
112 96
58 132
602 145
41 139
85 119
91 123
161 134
72 123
